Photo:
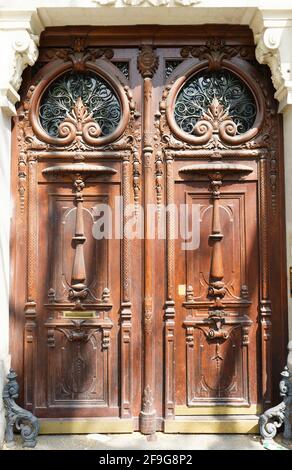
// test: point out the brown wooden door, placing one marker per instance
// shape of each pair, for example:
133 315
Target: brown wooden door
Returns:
215 343
148 332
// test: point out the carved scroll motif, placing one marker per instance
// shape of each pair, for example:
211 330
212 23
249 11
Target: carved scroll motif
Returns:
214 51
18 417
79 53
78 173
78 289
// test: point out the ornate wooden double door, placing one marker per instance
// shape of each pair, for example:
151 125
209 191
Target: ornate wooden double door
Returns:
148 255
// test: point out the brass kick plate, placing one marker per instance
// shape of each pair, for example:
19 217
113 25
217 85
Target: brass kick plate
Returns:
79 314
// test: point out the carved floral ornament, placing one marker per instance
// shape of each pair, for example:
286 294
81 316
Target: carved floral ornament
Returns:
24 49
213 105
71 106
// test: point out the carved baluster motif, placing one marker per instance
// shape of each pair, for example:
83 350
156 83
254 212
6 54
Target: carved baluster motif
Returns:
78 280
216 288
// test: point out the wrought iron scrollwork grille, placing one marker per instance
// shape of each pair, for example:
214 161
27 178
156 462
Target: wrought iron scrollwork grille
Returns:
96 94
198 92
123 67
170 65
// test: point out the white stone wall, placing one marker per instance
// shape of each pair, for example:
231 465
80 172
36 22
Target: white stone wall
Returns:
21 24
287 119
5 126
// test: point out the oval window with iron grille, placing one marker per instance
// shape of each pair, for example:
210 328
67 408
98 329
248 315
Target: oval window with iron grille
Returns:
198 93
91 92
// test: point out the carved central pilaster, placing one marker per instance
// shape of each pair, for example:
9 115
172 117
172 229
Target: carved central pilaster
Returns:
147 64
216 286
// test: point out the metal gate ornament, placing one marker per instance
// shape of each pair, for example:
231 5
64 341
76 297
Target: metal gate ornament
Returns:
273 418
23 420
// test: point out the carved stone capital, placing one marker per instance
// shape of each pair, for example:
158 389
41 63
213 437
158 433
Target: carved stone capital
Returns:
267 52
272 49
20 50
24 46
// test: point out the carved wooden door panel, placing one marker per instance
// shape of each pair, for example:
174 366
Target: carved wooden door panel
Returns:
215 124
82 318
216 310
78 159
147 331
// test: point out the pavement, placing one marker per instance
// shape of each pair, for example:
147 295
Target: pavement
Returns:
160 441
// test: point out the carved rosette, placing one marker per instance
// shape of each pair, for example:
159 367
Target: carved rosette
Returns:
20 51
218 127
79 124
80 332
79 54
214 129
273 418
267 52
